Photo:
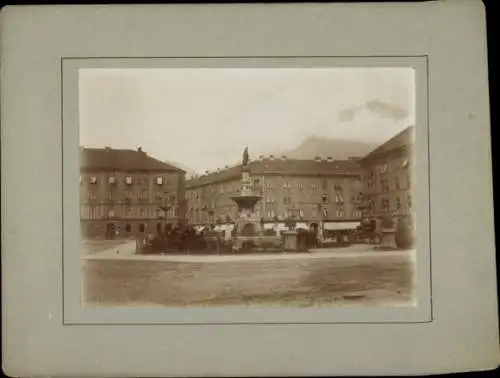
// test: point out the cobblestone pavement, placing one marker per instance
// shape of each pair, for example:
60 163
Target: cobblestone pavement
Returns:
355 275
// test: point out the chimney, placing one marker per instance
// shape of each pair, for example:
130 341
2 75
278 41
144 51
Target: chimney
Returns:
107 148
207 172
284 157
218 170
226 167
139 149
261 157
330 158
271 157
317 158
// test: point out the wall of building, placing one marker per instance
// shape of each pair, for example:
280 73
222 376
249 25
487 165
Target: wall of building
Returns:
107 198
387 184
283 195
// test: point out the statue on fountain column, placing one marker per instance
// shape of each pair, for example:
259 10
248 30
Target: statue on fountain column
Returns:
246 157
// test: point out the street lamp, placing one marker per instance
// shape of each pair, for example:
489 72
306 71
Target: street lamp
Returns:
165 207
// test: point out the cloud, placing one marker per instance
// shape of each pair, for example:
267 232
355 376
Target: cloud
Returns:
348 114
385 110
378 107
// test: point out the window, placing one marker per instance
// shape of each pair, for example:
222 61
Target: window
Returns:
301 213
269 186
92 194
314 188
325 213
128 180
110 195
300 186
159 213
287 185
111 213
128 211
159 180
324 184
339 213
385 205
128 228
383 168
287 200
142 227
143 213
112 180
159 196
398 203
409 202
325 199
93 179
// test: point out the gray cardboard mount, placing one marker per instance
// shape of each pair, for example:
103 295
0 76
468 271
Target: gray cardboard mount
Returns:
453 326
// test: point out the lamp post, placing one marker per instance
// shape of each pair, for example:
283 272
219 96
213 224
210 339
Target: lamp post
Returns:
165 207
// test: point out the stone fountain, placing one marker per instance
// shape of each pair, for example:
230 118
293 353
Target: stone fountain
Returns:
249 231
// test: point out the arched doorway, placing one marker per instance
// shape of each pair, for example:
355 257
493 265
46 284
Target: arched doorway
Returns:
110 231
314 228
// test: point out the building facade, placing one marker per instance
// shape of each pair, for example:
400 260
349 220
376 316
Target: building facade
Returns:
310 191
388 178
125 193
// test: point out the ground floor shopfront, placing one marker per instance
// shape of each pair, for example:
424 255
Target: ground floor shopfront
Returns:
121 228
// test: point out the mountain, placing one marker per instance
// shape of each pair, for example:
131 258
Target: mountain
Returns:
189 171
324 147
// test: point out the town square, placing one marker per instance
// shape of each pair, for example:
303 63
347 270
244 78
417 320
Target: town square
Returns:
330 222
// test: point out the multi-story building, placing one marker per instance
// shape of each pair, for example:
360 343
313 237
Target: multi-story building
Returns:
310 191
127 192
388 177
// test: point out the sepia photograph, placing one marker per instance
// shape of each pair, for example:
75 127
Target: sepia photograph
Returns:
247 186
252 190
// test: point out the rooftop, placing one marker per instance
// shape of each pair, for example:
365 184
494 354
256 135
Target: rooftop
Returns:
401 140
121 160
284 166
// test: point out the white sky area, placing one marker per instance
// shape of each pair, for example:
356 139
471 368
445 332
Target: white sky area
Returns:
203 118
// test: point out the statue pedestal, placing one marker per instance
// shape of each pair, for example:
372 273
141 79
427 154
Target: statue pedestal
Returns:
290 241
388 239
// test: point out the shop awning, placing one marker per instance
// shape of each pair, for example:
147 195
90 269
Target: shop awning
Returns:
338 226
302 225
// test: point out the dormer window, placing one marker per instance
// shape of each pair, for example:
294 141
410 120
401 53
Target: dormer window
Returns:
112 180
93 179
159 180
128 180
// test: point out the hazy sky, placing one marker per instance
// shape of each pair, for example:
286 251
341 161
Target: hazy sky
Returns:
203 118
